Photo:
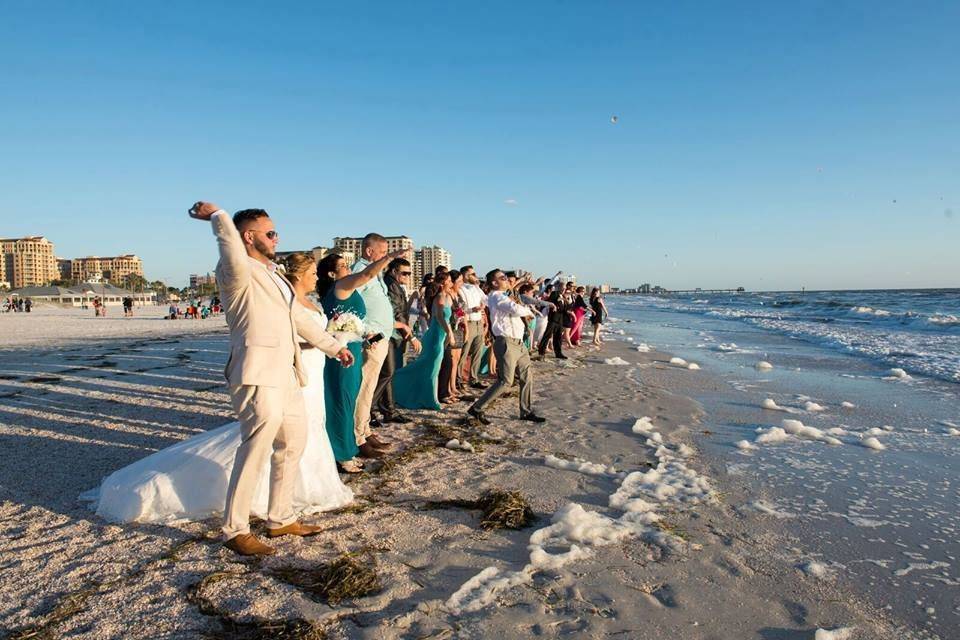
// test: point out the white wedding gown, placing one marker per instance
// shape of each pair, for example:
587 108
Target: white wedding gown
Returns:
188 481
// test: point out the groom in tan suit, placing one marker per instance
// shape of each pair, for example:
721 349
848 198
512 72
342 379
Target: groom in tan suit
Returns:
264 372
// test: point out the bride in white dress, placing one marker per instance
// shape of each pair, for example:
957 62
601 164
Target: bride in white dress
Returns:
188 481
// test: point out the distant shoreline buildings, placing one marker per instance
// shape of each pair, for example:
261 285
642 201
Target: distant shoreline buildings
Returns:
423 260
32 262
28 261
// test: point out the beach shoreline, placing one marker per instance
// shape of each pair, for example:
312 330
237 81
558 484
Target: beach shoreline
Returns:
72 411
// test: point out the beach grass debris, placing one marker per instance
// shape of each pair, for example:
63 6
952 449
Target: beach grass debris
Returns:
66 607
392 463
173 554
672 528
360 505
441 430
500 509
256 629
349 577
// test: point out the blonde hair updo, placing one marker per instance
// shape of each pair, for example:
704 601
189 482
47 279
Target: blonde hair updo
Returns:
296 264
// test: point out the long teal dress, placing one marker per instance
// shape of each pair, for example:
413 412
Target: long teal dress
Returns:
342 384
415 385
485 361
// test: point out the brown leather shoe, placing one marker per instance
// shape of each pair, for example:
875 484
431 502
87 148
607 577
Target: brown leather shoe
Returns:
247 544
367 450
378 443
294 529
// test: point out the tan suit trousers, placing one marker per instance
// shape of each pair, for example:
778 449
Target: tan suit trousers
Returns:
513 357
373 357
273 425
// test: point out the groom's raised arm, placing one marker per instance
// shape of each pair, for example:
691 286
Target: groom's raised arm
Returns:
234 266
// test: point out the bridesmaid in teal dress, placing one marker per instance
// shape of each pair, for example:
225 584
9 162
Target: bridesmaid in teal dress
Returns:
415 385
337 289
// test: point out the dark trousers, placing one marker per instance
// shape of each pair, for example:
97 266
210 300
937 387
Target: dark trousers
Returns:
383 393
555 332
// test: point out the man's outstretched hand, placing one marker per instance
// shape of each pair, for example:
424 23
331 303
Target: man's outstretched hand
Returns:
203 210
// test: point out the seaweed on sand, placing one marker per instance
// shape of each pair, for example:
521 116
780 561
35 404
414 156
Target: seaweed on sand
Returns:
256 629
501 509
351 576
66 607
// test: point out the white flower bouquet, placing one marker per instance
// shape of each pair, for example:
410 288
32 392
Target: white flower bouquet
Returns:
346 327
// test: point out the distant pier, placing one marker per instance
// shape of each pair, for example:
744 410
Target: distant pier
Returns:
659 291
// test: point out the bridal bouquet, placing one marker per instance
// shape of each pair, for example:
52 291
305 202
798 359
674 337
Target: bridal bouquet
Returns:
346 327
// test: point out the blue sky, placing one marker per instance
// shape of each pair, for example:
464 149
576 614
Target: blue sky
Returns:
814 144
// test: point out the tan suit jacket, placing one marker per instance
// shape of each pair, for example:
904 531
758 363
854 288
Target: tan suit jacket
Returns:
263 325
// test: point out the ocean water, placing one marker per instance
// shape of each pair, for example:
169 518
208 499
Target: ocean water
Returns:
884 523
915 330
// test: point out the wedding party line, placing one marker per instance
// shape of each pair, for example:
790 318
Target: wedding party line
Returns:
324 355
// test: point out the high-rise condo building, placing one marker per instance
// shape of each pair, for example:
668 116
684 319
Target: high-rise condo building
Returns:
28 262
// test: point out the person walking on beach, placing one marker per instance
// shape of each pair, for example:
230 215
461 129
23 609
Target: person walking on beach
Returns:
264 372
507 322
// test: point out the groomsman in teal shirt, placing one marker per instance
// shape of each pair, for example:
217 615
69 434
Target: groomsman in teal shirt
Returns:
378 322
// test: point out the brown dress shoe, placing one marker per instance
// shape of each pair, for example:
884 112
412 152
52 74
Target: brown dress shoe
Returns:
377 442
367 450
247 544
294 529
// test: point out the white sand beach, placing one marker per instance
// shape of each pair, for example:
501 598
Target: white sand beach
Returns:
636 534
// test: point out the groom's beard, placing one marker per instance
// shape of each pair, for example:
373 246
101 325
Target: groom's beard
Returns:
264 249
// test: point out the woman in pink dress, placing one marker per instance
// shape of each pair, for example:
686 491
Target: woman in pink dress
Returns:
579 313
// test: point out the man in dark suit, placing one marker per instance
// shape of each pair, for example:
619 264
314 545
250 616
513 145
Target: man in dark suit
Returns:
398 274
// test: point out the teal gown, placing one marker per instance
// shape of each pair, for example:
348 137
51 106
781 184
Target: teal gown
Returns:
342 384
485 361
415 385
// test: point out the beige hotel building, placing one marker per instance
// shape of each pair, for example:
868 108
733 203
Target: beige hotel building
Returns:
27 262
113 269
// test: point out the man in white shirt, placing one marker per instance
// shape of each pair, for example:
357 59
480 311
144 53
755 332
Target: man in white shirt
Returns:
507 324
474 300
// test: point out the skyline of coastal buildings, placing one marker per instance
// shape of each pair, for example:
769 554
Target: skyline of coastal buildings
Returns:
114 269
423 260
31 261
